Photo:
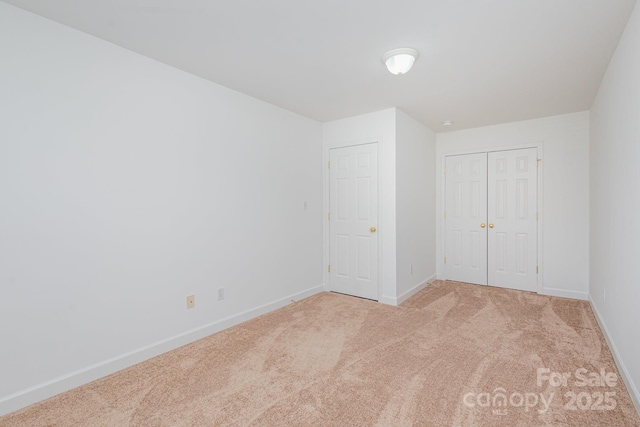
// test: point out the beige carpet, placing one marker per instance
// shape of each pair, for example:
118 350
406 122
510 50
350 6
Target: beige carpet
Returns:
444 358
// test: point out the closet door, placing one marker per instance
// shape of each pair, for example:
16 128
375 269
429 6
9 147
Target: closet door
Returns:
353 204
512 215
466 218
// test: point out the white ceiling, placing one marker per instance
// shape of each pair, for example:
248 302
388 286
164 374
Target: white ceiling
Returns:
481 62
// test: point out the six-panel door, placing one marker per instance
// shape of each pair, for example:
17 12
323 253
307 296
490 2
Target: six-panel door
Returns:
353 234
491 227
512 208
466 212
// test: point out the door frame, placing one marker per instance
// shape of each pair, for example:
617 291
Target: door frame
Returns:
441 240
381 211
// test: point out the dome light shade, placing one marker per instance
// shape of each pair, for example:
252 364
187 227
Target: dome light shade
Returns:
400 61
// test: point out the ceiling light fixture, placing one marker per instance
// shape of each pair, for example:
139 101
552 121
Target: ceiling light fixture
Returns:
400 61
447 123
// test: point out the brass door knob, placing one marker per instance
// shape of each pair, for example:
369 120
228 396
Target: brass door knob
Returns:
483 225
373 229
490 225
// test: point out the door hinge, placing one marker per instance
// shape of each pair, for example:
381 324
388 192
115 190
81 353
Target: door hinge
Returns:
445 260
445 170
537 216
329 216
538 162
329 165
329 268
445 215
537 269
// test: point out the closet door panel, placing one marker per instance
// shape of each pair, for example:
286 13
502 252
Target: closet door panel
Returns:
512 182
465 215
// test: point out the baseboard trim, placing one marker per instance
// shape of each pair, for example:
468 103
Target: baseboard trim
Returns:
395 301
622 368
388 300
80 377
565 293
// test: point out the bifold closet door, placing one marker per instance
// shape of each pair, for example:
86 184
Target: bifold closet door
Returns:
512 214
466 218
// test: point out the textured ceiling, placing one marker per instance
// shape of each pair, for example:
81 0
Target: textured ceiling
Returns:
481 62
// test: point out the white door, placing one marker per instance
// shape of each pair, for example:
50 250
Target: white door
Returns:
466 218
353 220
512 214
491 218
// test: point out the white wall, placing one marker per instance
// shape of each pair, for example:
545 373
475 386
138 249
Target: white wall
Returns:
126 185
376 127
615 203
564 141
415 205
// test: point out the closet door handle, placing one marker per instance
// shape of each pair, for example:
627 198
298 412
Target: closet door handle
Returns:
490 225
483 225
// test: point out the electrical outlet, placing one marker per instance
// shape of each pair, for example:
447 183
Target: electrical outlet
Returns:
220 294
191 301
